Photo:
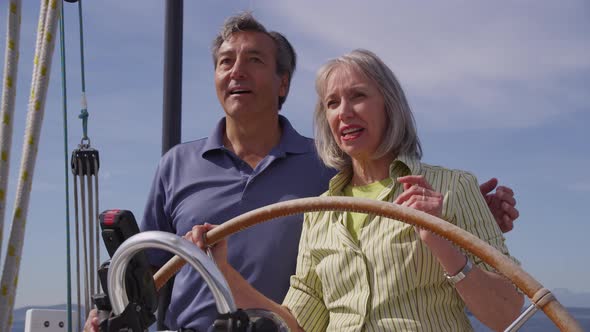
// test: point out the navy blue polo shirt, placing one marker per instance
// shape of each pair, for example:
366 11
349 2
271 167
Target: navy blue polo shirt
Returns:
202 181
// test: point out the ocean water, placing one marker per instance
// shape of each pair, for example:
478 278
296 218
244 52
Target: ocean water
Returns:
541 323
538 323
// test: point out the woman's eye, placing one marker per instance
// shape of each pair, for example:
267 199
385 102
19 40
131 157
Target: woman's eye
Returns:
330 104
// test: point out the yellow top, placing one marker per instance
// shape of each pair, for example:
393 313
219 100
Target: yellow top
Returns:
355 221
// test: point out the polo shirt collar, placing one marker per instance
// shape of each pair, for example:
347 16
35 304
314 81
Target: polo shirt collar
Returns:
215 140
291 141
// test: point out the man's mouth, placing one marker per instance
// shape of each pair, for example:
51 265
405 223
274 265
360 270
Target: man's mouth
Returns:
239 92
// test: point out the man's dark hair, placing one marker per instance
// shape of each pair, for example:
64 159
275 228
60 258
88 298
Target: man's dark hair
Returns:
285 56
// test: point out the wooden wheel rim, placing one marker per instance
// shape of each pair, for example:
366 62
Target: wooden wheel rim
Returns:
503 265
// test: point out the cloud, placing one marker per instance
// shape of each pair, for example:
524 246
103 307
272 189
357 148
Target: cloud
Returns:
580 186
482 65
123 17
484 40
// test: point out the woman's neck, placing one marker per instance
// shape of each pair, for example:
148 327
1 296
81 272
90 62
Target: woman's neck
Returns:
369 171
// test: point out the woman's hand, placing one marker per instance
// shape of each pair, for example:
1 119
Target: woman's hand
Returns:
219 250
419 194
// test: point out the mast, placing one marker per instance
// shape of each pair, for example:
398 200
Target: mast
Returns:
172 104
172 108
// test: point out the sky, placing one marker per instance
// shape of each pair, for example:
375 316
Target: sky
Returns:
501 91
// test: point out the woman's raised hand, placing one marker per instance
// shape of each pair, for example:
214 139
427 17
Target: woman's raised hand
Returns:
420 195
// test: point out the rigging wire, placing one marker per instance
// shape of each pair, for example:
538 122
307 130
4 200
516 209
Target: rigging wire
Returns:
85 164
67 184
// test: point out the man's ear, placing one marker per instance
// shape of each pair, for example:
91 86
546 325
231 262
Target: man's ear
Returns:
284 87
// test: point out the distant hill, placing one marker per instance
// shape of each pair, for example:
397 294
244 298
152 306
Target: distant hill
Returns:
572 299
20 314
578 303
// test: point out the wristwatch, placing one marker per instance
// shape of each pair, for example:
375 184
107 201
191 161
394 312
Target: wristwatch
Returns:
461 274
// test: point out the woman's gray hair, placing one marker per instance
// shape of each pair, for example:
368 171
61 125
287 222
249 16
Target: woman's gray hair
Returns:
286 58
400 135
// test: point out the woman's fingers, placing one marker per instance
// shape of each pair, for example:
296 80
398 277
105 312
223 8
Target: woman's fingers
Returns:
416 191
419 194
411 180
408 193
429 204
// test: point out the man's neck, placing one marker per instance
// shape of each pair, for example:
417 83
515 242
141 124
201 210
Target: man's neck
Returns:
251 141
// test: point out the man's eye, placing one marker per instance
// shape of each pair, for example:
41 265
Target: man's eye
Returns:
256 60
224 61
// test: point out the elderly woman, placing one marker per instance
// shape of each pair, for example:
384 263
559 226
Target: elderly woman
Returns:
362 272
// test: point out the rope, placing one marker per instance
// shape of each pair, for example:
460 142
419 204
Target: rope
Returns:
88 196
84 241
85 198
84 110
8 102
77 232
85 164
97 225
89 231
91 265
39 86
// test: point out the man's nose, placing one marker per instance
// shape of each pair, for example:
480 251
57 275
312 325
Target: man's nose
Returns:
238 70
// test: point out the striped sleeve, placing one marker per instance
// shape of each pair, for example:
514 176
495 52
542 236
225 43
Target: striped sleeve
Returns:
304 298
474 215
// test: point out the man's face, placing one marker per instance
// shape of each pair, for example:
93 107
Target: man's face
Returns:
246 78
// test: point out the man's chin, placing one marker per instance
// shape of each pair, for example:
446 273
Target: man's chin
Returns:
239 112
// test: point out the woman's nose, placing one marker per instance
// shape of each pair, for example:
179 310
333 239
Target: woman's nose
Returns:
345 111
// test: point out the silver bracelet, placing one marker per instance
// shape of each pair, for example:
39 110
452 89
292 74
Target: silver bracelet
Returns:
461 274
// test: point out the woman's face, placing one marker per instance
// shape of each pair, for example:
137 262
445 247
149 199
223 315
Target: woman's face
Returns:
355 110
